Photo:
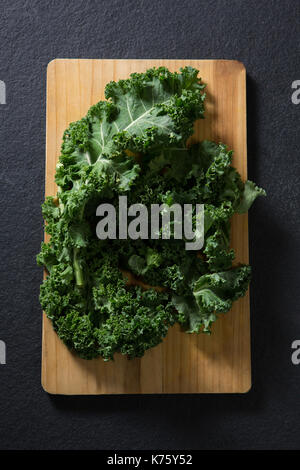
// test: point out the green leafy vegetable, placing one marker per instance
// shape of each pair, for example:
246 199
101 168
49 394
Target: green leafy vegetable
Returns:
109 296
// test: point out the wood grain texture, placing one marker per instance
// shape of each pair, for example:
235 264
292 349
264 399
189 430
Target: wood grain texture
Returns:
183 363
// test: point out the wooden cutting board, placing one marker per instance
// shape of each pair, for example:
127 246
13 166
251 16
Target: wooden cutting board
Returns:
183 363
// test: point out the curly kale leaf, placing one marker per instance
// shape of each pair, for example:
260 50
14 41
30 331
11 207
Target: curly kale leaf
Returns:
111 318
250 193
121 296
147 111
217 251
156 108
212 293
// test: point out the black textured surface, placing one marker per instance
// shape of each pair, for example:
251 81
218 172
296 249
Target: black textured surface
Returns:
264 35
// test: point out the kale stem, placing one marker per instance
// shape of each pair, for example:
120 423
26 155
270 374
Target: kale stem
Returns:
78 269
79 275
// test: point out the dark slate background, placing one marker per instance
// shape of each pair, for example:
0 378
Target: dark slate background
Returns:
265 36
